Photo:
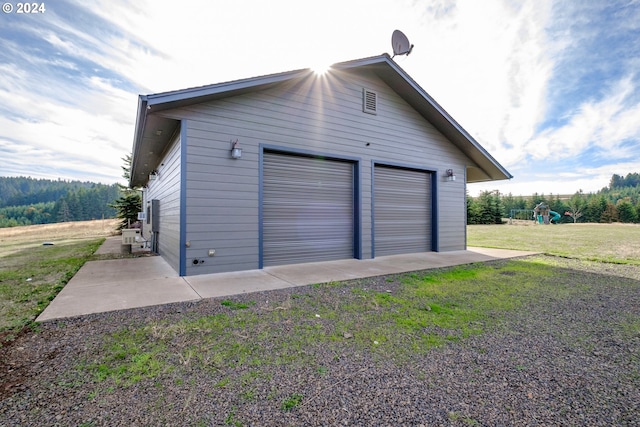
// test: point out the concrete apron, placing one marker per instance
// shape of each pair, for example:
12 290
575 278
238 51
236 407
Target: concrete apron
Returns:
101 286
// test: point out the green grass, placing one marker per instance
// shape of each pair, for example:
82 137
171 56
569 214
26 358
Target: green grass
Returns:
613 243
291 402
233 305
427 310
130 358
31 278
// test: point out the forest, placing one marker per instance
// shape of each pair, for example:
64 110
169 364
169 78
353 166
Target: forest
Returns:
618 202
27 201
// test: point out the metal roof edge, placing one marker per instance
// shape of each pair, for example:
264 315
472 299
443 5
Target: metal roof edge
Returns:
355 63
196 93
141 119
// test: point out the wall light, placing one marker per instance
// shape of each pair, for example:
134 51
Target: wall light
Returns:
450 175
153 175
236 151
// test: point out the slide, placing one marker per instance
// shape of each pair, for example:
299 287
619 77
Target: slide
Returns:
555 215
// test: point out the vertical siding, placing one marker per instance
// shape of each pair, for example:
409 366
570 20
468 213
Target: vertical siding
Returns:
166 189
319 114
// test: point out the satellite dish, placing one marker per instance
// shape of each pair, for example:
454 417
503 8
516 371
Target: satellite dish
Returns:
400 44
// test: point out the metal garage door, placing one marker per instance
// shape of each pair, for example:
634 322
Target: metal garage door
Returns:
307 209
402 212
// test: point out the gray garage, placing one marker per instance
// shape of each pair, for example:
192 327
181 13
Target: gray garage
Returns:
354 163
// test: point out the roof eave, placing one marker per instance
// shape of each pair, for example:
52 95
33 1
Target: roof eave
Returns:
178 98
141 119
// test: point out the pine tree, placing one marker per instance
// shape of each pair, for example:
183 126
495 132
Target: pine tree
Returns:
64 214
129 203
626 211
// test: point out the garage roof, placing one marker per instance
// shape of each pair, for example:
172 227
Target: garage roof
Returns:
149 144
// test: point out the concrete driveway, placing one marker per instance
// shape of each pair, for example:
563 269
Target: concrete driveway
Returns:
118 284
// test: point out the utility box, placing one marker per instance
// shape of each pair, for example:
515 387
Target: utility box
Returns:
155 216
129 236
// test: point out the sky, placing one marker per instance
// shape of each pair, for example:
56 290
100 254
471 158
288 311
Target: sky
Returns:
550 88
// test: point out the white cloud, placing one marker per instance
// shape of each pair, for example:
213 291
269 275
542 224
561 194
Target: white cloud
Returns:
605 124
486 63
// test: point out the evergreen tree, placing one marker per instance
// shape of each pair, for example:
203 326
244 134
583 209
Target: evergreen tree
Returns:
473 211
626 211
129 203
63 212
596 205
609 214
488 209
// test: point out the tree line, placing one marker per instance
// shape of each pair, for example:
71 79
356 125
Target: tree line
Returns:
27 201
618 202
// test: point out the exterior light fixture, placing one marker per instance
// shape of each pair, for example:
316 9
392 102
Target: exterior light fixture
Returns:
236 151
153 175
450 175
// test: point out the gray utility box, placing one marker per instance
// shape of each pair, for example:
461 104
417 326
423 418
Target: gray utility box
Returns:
130 236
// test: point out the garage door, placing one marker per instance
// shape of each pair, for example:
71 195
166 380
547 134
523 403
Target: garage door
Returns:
307 209
402 211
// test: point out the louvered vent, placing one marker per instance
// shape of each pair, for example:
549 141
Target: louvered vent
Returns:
369 101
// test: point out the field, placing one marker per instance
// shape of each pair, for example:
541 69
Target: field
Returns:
550 339
612 243
31 274
21 239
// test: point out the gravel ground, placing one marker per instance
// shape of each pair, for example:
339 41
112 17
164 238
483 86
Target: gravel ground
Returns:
551 364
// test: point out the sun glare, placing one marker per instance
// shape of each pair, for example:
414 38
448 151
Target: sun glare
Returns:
320 68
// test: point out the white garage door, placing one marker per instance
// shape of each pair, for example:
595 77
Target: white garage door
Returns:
307 209
402 212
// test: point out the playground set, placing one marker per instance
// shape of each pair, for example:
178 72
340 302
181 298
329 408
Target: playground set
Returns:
541 214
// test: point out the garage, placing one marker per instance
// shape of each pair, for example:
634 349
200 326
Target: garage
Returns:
402 211
307 209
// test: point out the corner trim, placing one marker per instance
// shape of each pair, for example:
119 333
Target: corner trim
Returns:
183 198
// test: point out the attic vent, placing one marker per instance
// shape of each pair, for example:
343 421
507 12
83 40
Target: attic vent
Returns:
369 101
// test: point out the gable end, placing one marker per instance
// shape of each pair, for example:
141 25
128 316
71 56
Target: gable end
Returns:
369 101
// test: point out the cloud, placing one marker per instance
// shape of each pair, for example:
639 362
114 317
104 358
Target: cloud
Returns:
606 124
486 63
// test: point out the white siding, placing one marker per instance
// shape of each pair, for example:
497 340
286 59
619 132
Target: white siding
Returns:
320 115
166 189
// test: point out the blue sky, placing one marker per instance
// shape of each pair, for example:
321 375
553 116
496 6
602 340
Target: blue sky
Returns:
550 88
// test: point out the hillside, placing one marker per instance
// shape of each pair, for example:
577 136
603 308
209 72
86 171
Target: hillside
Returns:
27 201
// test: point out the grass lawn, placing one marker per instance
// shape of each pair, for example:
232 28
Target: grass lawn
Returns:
613 243
32 274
